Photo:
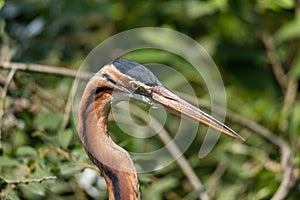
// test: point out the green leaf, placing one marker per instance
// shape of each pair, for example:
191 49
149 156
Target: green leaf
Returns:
8 162
27 151
50 139
33 191
68 169
228 192
276 5
289 31
196 9
295 119
2 2
65 137
3 183
49 121
156 190
296 66
12 195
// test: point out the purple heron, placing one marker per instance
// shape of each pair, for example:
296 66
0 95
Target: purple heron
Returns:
137 82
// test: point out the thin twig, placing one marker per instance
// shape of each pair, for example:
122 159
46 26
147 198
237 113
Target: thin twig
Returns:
290 171
33 180
297 7
287 82
10 77
68 106
71 157
277 68
289 99
292 83
45 69
26 173
215 177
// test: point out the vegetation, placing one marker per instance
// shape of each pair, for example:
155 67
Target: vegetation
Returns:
255 44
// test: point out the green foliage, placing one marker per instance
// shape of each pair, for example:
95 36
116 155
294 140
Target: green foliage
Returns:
288 31
65 137
2 3
248 40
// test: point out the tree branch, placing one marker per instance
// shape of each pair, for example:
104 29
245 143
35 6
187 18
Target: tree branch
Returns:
68 105
10 77
277 68
45 69
33 180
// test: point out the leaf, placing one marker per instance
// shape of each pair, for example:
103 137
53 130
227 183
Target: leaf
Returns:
196 9
2 2
295 119
50 139
3 183
12 195
296 66
228 192
33 191
8 162
65 137
27 151
289 31
68 169
276 5
156 190
49 121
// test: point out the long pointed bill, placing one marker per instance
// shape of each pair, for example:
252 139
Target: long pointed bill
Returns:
178 106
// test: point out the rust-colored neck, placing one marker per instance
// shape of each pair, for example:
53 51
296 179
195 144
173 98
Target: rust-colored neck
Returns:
113 161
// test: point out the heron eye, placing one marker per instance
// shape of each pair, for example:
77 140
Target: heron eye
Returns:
134 85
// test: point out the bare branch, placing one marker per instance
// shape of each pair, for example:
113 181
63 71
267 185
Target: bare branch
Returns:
71 157
274 60
297 7
26 173
33 180
289 99
68 106
10 77
215 178
290 171
45 69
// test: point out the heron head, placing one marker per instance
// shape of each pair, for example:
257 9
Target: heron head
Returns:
131 79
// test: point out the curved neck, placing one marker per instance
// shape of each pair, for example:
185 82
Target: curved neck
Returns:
113 161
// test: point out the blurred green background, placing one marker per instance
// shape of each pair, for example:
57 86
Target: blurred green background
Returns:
255 44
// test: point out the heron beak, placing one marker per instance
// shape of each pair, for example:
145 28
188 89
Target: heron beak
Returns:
178 106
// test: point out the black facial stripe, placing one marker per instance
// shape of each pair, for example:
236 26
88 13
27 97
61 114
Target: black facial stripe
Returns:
110 79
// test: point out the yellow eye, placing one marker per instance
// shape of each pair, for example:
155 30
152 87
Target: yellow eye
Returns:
134 85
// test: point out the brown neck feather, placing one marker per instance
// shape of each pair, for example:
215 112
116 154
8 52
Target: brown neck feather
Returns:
113 161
